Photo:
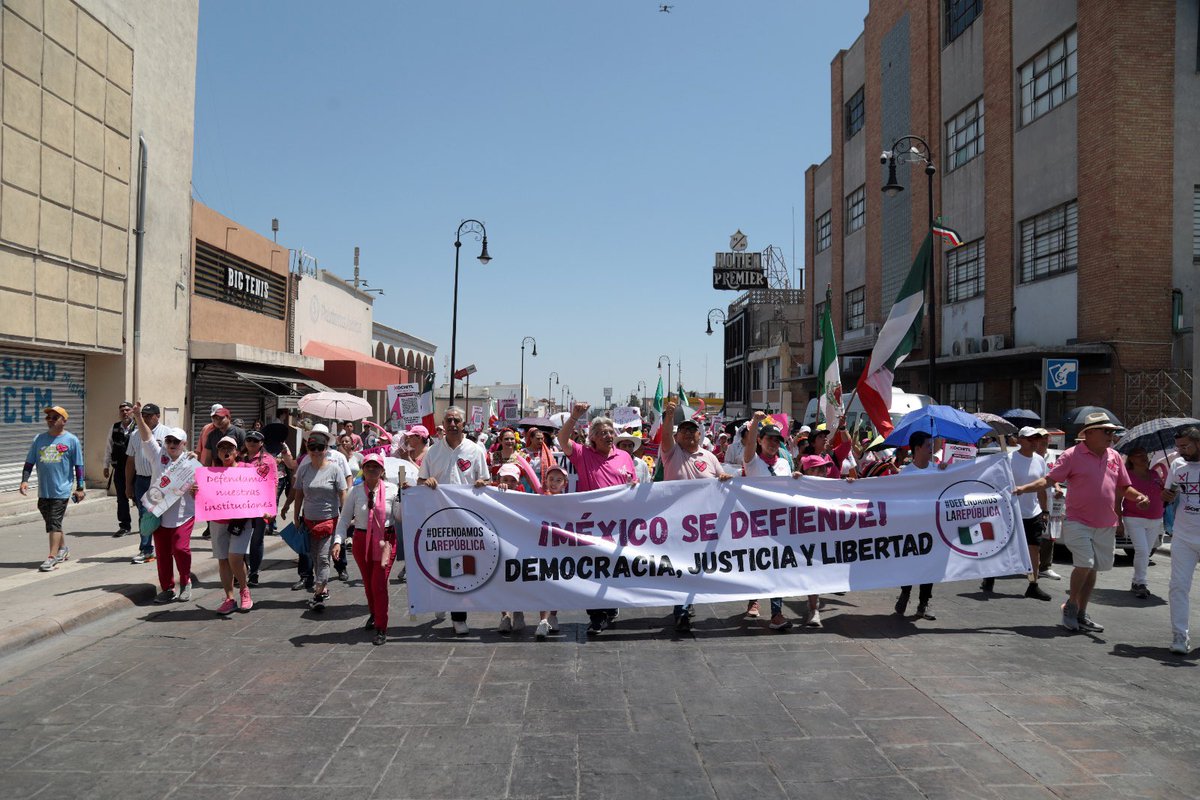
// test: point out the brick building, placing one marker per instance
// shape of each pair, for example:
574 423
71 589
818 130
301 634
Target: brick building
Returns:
1079 209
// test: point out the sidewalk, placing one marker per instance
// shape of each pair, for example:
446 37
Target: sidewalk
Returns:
97 579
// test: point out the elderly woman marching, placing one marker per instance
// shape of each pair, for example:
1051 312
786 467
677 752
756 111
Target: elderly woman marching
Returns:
370 514
319 492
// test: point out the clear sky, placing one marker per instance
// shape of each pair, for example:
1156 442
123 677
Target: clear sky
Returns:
609 148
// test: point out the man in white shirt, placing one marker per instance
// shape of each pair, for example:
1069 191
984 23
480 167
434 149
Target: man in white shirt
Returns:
455 460
1028 466
1184 482
139 467
920 444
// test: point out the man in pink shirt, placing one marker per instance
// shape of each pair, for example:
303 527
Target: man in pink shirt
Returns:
597 465
1095 476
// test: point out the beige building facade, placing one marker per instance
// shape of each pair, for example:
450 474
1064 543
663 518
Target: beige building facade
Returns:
91 91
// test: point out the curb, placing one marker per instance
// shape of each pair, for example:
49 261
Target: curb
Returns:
7 520
133 595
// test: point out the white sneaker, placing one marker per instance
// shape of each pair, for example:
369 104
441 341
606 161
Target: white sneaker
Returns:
460 628
1051 574
1181 645
506 625
812 618
185 593
440 616
553 620
518 621
543 630
49 564
64 553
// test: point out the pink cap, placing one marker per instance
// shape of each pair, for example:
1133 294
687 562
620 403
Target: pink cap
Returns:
373 458
228 440
417 430
220 412
510 471
811 462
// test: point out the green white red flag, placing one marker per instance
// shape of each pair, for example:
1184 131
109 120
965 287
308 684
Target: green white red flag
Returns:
948 234
426 405
829 377
895 341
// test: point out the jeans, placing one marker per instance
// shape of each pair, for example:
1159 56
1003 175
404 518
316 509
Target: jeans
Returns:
124 521
682 611
924 594
255 559
141 485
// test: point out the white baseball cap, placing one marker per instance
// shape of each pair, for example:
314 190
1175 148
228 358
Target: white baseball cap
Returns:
175 433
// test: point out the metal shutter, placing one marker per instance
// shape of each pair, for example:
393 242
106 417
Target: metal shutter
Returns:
31 380
214 383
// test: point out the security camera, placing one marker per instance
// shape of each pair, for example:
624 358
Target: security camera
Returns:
883 157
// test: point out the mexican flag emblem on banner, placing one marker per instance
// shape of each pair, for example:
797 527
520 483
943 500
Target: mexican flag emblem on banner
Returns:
976 533
456 566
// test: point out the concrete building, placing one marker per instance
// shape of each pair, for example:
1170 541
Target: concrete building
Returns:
1080 209
412 354
241 311
91 89
763 352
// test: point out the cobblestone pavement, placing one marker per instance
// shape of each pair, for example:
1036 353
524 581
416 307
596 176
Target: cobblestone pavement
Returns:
991 700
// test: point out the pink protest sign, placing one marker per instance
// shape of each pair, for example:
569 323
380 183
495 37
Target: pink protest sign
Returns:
235 492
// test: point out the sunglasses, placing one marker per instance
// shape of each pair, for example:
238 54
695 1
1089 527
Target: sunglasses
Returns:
169 440
316 448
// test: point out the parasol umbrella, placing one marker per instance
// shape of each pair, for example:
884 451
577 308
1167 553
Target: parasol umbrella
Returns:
1155 435
940 421
559 419
999 424
335 405
1022 417
1073 419
295 537
393 467
548 423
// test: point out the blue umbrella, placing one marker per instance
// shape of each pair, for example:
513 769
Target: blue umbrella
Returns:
940 421
296 538
1022 417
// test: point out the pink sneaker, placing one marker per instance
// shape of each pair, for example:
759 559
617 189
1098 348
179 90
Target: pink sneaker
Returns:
228 607
246 603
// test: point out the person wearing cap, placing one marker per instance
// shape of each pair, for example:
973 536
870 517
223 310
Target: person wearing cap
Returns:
139 466
455 460
114 463
920 448
508 479
370 515
231 540
598 465
202 442
555 483
256 455
304 565
173 536
416 439
58 458
222 426
1028 466
319 494
631 443
683 459
767 459
1096 477
1183 485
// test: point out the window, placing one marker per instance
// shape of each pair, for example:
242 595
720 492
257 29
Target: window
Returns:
964 271
964 135
856 308
824 230
1196 225
1049 78
1050 243
854 114
756 377
856 209
965 395
818 315
773 373
959 16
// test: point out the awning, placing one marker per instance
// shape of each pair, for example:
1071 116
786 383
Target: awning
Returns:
276 381
346 369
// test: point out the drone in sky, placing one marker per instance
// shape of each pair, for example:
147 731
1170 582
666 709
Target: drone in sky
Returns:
665 9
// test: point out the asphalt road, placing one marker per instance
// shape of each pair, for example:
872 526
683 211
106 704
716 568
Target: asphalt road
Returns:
991 700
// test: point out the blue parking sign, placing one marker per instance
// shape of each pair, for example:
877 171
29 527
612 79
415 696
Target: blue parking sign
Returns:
1061 374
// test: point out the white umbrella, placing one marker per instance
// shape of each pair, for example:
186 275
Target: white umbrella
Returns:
335 405
393 467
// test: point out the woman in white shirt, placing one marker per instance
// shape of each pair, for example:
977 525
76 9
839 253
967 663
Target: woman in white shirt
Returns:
766 460
369 515
173 536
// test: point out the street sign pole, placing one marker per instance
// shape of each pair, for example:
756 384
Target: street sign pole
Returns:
1043 392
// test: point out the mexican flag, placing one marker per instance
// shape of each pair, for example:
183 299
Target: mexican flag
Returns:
949 234
426 405
895 341
830 379
455 566
656 430
975 534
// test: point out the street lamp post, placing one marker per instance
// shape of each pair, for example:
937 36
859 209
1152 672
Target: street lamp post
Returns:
668 360
912 149
475 227
550 392
521 402
712 311
565 389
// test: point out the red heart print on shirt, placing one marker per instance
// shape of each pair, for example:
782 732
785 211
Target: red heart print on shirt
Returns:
700 465
463 465
263 470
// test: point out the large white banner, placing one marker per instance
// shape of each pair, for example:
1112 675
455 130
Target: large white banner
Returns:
708 541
